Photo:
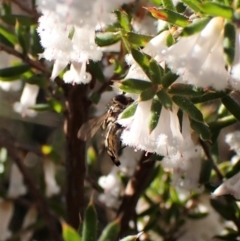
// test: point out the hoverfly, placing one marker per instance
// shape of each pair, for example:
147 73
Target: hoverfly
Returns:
108 122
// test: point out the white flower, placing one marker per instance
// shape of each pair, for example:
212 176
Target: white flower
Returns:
28 99
67 32
235 69
6 213
16 184
201 229
186 161
230 186
163 140
52 187
112 186
233 140
198 59
29 219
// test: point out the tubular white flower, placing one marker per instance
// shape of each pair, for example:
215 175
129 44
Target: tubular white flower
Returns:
67 32
186 161
233 140
52 187
230 186
163 140
28 99
198 59
29 219
235 69
16 183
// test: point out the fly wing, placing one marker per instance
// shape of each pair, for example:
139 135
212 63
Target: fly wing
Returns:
89 129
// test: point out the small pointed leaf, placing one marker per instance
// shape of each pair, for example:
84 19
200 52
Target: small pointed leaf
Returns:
147 94
169 16
124 20
138 39
232 106
13 73
69 233
89 230
110 233
168 79
164 99
155 112
129 111
107 38
186 105
216 9
135 86
185 89
229 43
195 27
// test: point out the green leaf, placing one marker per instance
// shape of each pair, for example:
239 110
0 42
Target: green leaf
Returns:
69 233
186 105
147 94
185 89
193 4
149 65
110 233
41 107
155 72
23 37
35 45
137 39
129 111
209 96
155 112
195 27
8 35
135 86
107 38
232 106
131 238
216 9
5 41
164 99
168 4
95 68
22 19
226 210
89 230
229 43
168 79
169 16
201 129
95 97
124 19
13 73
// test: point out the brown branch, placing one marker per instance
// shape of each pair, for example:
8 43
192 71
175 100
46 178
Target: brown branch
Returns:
34 191
76 114
26 9
33 63
135 187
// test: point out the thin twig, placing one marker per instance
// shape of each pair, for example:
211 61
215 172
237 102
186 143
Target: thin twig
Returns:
135 187
33 190
209 157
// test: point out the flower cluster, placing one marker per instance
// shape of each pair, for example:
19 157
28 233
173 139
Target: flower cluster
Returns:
67 32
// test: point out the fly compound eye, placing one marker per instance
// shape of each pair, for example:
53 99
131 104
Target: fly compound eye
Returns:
121 100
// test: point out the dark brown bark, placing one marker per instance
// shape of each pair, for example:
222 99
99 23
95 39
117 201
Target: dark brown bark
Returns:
76 115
